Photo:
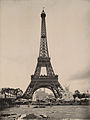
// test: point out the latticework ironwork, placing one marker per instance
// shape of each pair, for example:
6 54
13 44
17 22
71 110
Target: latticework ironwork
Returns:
50 80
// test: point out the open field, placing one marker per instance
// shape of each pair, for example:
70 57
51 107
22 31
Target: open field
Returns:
52 113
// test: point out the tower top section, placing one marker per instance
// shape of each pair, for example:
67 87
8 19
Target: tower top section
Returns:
43 15
43 24
43 53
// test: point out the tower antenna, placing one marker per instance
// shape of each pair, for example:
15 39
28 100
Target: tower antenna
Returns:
43 8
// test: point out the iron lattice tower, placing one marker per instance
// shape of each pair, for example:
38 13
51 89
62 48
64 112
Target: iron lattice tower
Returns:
50 80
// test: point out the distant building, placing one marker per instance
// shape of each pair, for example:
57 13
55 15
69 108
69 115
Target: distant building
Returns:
41 94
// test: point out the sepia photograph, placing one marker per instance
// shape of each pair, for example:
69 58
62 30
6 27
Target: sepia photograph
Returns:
44 59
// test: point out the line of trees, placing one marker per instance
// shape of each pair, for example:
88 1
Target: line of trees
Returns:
11 92
81 95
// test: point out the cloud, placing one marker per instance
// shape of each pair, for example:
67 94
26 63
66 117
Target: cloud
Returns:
82 75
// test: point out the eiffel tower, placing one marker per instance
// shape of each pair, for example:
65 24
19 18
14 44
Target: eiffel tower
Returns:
50 80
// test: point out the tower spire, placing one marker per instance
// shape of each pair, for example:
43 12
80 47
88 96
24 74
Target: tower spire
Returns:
43 42
43 8
43 25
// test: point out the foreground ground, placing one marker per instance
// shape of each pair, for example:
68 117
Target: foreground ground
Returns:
51 113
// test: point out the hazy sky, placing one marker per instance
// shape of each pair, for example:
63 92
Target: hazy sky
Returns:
68 33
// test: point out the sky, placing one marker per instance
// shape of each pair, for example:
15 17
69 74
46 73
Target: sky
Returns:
68 36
